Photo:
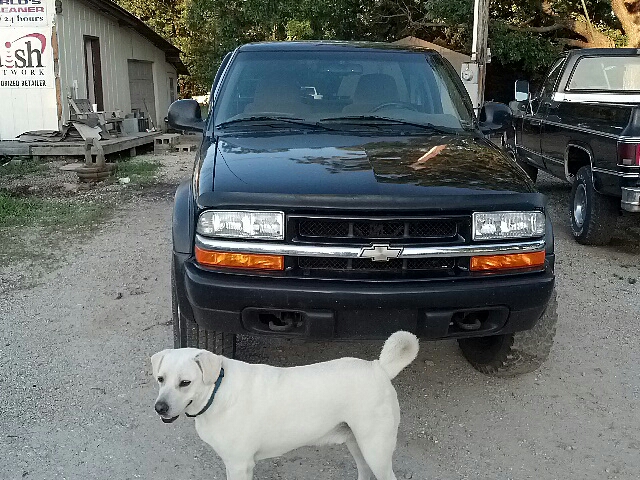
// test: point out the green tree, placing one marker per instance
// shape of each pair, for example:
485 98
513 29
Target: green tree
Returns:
526 34
221 25
166 17
169 19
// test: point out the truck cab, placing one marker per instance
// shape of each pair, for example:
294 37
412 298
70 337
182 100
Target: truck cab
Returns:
583 125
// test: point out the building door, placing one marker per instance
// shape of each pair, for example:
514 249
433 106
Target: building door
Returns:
172 89
142 89
93 71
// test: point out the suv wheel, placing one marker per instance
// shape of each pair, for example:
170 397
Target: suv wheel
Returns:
515 353
179 332
187 333
593 216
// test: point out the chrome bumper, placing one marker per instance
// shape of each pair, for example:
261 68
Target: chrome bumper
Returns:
348 251
630 199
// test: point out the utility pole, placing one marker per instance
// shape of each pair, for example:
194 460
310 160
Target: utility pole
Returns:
473 74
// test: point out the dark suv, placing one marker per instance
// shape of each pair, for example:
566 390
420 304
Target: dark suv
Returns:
346 191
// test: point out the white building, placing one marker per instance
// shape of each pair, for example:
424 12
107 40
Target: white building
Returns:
87 49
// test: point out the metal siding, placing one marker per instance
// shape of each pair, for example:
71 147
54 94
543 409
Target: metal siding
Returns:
117 46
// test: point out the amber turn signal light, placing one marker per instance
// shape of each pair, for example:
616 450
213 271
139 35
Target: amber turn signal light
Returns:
252 261
507 262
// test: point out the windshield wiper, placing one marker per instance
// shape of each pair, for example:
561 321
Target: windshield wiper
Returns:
377 120
270 118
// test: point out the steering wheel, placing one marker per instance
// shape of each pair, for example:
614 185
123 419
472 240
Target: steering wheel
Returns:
404 105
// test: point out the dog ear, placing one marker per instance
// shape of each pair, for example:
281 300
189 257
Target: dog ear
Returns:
209 364
156 360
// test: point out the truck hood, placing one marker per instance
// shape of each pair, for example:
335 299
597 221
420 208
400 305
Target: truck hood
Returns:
357 167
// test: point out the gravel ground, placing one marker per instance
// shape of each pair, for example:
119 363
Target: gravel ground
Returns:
77 397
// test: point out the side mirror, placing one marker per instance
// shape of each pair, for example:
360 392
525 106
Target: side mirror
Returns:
494 118
522 90
185 115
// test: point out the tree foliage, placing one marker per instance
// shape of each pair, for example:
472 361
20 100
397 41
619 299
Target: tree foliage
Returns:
524 34
224 24
164 16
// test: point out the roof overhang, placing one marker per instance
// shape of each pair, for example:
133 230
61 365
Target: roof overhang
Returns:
128 20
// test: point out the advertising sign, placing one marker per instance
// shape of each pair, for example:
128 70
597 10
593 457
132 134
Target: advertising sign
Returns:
23 13
26 58
28 93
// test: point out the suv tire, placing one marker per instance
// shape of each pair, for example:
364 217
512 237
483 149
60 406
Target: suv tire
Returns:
179 333
593 216
515 353
187 333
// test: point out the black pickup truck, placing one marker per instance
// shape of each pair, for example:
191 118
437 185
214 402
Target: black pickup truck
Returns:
583 125
346 191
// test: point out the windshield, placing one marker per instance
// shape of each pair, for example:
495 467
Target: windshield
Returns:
613 74
317 86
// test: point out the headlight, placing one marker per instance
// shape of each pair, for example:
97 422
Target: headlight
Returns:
506 225
241 224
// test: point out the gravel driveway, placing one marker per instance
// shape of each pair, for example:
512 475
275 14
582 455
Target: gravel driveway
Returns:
76 395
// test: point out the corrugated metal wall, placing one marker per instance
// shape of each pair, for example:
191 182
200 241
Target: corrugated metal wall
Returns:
117 46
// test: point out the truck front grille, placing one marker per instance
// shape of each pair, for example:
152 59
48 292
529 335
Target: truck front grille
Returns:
396 231
328 228
365 265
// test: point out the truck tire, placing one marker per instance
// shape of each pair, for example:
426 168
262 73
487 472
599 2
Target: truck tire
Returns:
593 216
220 343
187 333
179 334
515 353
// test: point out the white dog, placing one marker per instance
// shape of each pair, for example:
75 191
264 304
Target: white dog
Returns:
251 412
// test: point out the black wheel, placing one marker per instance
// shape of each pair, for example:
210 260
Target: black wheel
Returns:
593 216
515 353
179 333
187 333
220 343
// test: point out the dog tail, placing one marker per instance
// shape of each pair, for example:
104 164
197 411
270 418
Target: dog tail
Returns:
398 351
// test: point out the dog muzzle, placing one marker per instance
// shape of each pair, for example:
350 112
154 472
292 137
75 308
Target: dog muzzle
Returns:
169 419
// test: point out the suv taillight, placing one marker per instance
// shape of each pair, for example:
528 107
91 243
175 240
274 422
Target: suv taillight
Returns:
629 154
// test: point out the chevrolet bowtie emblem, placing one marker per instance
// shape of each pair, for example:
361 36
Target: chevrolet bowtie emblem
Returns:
380 253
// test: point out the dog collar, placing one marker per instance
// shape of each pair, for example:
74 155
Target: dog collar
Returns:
215 389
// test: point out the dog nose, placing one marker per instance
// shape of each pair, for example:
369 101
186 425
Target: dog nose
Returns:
162 408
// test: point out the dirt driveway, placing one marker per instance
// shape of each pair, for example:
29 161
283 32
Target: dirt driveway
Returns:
76 395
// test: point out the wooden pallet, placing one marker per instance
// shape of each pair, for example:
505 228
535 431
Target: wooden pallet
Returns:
41 149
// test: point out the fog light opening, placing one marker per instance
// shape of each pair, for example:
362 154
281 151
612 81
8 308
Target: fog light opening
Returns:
469 321
281 321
